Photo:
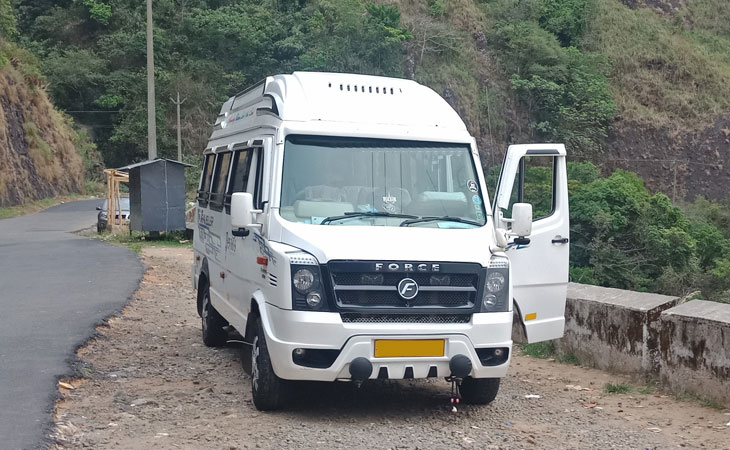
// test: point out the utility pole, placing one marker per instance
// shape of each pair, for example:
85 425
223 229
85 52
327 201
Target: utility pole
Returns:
151 120
179 140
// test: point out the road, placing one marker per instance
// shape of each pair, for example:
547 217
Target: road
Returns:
55 288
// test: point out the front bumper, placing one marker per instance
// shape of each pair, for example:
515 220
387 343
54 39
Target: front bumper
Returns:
287 330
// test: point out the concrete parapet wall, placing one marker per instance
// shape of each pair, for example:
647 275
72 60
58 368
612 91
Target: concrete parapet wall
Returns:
695 349
613 329
686 346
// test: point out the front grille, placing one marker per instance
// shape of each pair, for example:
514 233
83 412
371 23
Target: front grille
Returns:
391 298
442 287
405 318
392 279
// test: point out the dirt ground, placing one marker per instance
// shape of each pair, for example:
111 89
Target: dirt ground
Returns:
150 383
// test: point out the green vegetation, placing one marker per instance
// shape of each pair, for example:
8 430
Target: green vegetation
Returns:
569 358
556 70
702 400
205 49
542 350
563 88
617 388
546 350
667 70
136 240
646 390
623 236
8 27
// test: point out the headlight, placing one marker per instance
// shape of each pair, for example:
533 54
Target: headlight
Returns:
496 286
495 282
308 286
303 280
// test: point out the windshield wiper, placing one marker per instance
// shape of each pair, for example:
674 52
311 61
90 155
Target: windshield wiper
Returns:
405 223
354 214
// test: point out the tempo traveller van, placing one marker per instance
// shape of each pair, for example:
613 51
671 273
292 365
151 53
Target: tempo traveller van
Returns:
345 231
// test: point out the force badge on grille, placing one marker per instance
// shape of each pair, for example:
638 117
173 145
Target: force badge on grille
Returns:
408 288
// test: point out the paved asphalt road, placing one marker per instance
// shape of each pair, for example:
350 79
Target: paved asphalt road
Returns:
55 287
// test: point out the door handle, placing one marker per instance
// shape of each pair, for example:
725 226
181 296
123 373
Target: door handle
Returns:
560 240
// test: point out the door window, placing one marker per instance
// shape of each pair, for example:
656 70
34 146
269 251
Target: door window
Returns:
241 167
535 184
240 170
205 180
220 180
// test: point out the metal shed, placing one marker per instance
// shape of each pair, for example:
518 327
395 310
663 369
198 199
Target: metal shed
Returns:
157 195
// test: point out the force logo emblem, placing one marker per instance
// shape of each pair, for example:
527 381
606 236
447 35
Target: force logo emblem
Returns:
407 288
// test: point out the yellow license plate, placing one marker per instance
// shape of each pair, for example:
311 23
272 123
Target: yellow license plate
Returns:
403 348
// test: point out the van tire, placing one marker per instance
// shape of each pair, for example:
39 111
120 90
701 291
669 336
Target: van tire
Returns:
212 323
268 390
479 391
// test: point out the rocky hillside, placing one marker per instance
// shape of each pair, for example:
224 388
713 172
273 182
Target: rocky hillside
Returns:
38 156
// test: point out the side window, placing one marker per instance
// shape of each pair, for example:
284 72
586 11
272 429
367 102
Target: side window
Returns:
220 179
255 177
241 167
205 180
535 184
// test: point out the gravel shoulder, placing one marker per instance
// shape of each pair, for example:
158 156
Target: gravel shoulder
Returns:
150 382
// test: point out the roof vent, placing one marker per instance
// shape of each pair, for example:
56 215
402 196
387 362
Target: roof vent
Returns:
363 89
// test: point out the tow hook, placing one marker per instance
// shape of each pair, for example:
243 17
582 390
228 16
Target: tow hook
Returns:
360 370
460 367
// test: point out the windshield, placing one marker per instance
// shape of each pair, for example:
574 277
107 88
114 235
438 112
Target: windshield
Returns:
354 181
125 204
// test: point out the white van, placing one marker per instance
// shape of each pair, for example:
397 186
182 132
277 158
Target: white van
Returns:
345 231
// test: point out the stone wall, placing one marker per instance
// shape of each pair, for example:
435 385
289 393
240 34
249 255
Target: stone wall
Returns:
695 349
613 329
686 346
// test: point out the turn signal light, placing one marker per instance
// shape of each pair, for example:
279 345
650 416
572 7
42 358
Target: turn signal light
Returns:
262 260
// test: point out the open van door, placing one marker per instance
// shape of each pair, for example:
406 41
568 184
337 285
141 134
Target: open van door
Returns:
536 174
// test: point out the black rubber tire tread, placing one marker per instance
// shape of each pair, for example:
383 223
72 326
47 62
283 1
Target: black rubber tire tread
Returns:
269 391
212 324
479 391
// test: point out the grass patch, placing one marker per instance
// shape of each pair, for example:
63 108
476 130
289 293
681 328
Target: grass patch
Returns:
617 388
136 240
664 71
542 350
701 399
96 188
570 358
647 390
37 206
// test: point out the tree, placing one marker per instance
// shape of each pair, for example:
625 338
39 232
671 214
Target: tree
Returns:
8 27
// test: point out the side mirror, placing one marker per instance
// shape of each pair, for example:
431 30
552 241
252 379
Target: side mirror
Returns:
242 212
521 219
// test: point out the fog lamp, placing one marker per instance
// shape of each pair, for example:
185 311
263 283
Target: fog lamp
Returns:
490 300
314 300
